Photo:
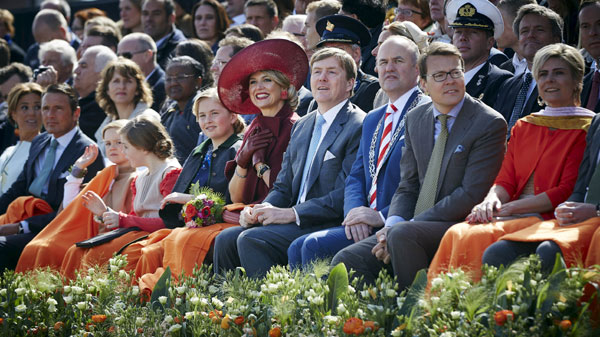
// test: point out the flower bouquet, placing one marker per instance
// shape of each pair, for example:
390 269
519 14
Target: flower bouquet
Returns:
205 209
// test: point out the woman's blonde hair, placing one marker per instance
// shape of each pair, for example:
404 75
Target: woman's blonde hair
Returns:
284 82
126 68
17 92
148 134
238 126
117 124
572 58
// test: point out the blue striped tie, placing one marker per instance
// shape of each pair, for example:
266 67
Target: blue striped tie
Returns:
312 149
41 180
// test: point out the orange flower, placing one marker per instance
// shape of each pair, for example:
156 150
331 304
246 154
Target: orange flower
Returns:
111 329
1 321
98 318
354 326
140 330
215 316
371 325
565 325
58 325
89 326
225 323
178 319
502 316
239 320
275 332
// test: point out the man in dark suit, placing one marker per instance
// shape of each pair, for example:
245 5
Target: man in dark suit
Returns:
536 27
508 41
477 23
454 148
308 193
346 33
375 174
589 32
141 49
158 21
85 80
51 156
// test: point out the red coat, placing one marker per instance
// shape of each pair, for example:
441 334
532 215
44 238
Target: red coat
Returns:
553 155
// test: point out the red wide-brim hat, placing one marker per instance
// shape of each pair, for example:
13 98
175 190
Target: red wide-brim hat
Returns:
275 54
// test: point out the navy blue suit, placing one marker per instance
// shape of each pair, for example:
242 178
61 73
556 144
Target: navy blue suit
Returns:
11 249
328 242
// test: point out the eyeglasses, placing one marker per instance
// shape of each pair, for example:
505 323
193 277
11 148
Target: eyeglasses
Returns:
178 78
129 55
442 75
406 12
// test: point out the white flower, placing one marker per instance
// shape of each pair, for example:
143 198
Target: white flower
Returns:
51 301
168 319
139 321
175 328
3 292
190 314
212 289
67 289
448 334
21 308
135 290
123 274
194 300
331 320
435 299
422 303
397 332
351 289
341 309
114 268
436 282
4 304
52 308
81 305
20 291
77 290
68 299
390 292
217 303
180 290
162 299
455 314
178 301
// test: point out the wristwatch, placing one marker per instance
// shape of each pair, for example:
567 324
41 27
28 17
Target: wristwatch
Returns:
262 168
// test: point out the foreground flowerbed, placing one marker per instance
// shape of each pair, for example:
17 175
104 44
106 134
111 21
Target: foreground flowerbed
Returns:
516 301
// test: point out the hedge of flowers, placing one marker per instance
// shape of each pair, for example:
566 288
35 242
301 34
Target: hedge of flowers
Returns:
516 301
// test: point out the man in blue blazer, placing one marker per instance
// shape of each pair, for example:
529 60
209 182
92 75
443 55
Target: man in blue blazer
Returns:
372 181
308 194
51 155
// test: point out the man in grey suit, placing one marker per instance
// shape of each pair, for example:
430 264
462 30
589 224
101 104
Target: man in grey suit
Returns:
454 148
308 194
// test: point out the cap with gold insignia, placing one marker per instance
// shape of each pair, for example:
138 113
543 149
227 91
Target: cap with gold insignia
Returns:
478 14
341 28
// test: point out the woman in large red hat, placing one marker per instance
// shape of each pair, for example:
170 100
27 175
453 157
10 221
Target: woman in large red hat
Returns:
262 79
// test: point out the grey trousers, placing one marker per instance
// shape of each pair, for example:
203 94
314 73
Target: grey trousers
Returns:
256 249
411 245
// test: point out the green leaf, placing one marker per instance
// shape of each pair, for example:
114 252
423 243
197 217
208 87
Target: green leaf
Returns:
338 285
161 288
414 293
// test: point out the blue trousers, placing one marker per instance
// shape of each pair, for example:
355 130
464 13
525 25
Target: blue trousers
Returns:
504 252
317 245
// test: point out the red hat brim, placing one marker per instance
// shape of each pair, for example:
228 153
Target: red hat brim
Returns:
275 54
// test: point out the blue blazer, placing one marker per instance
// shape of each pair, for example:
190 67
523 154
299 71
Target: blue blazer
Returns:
58 177
332 163
358 182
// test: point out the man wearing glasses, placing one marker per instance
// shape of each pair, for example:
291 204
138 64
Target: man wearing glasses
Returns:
141 49
454 148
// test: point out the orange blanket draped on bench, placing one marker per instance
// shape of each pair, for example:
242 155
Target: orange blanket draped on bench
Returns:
23 208
75 223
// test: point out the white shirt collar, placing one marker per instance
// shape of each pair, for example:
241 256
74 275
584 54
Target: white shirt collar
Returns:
520 64
402 100
65 139
330 114
469 74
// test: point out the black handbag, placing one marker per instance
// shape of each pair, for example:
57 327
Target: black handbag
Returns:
105 237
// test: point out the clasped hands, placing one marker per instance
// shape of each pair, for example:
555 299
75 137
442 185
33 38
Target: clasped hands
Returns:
359 224
110 218
266 214
490 208
570 212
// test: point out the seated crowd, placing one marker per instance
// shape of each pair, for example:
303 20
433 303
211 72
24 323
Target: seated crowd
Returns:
404 136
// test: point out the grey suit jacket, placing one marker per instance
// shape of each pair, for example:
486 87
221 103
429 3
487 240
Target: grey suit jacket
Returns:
473 156
588 163
325 187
